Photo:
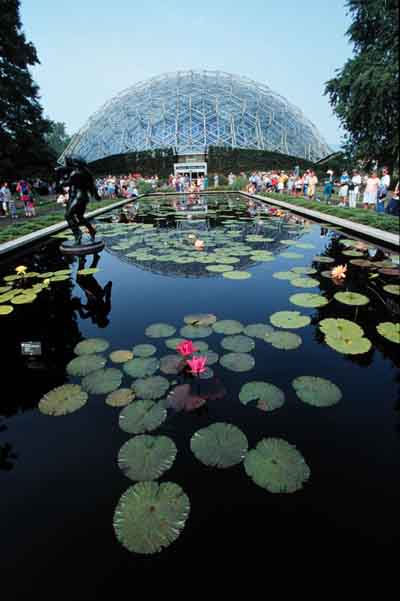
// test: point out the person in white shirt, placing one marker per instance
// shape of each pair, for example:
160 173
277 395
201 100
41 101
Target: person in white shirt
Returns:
354 189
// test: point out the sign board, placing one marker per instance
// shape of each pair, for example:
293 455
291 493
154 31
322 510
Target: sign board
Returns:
32 349
190 168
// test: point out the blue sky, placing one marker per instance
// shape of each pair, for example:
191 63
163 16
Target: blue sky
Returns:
92 49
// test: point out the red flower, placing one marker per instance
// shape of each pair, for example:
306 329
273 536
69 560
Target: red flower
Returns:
186 348
197 365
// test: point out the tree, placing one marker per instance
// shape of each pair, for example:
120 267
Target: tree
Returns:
23 147
364 93
57 137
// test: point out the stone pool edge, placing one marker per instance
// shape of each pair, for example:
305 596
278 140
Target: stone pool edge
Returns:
359 228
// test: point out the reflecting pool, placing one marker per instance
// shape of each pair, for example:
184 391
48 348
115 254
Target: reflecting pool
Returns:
283 452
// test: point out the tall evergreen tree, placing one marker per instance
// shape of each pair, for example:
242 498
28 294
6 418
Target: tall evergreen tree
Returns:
23 148
57 137
365 92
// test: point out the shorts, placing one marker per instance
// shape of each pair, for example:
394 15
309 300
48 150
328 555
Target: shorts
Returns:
370 198
343 191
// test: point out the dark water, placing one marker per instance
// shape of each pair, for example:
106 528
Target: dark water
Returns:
59 479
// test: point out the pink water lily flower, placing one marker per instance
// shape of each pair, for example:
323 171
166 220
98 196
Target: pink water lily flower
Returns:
197 365
186 348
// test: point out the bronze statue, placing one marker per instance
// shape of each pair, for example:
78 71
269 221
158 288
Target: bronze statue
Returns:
76 176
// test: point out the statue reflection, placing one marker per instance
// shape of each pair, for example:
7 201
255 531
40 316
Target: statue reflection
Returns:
98 299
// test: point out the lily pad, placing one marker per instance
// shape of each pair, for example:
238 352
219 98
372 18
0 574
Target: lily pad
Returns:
283 275
315 391
102 381
308 300
268 396
290 255
237 362
289 319
390 331
392 289
258 330
150 516
172 364
144 350
147 457
304 270
351 298
304 282
4 289
211 356
85 364
6 309
200 319
201 346
172 343
286 341
23 299
91 346
237 275
277 466
219 445
344 336
151 388
88 271
219 268
121 356
323 259
238 343
142 416
191 332
63 400
120 397
141 367
160 330
228 326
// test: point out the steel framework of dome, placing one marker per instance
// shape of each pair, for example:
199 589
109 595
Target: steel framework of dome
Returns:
192 110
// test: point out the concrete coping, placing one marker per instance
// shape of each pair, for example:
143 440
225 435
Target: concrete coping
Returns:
359 228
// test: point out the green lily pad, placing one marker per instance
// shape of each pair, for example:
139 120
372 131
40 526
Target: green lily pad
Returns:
356 346
6 309
91 346
237 362
238 343
305 245
228 326
63 400
277 466
283 275
285 341
289 319
211 356
390 331
59 278
268 396
88 271
85 364
237 275
63 272
219 445
147 457
352 253
12 278
144 350
304 270
120 397
160 330
219 268
7 296
23 299
4 289
191 332
201 346
258 330
308 300
150 516
351 298
317 392
121 356
102 381
172 364
142 416
172 343
141 367
344 336
151 388
304 282
200 319
392 289
323 259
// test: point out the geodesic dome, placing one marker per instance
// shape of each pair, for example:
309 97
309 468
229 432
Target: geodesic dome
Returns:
192 110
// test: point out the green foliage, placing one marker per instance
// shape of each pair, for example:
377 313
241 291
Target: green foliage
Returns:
57 137
23 147
147 162
223 160
364 93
